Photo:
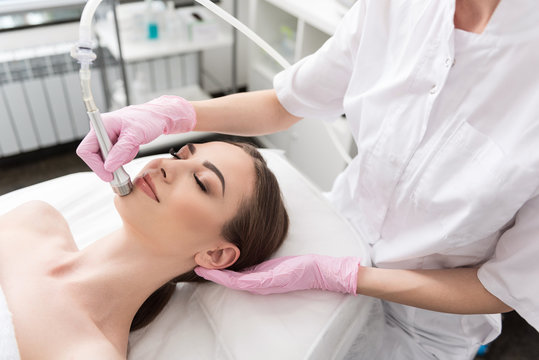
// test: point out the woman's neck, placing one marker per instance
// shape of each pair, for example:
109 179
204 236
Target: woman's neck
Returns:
113 276
474 15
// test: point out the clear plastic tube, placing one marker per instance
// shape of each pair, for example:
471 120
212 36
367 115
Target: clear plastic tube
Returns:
85 27
245 30
276 56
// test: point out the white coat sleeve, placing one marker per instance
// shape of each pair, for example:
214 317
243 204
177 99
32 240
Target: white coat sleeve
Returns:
315 86
512 274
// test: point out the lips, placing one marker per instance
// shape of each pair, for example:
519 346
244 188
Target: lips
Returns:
145 183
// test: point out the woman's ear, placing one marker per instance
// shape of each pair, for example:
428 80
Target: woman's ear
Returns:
220 257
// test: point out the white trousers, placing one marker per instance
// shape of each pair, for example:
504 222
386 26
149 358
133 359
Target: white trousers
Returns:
416 334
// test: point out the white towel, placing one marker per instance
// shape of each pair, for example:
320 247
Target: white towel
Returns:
8 343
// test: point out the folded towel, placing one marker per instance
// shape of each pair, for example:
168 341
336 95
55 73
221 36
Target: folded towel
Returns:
8 343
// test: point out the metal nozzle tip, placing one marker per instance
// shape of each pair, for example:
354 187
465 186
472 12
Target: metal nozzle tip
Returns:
124 189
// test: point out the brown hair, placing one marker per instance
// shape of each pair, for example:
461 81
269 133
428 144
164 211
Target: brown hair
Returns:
258 229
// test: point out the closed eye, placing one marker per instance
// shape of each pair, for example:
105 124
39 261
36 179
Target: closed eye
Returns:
200 183
174 153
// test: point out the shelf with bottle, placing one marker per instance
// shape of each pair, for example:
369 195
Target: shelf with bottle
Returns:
160 31
293 37
325 15
297 29
278 29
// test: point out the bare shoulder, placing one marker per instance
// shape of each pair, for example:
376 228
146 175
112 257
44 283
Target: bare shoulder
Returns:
83 346
34 206
91 349
30 226
33 216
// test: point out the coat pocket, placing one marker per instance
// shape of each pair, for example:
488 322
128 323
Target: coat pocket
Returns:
471 187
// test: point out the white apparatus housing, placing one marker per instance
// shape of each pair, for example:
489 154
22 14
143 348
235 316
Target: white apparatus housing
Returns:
82 51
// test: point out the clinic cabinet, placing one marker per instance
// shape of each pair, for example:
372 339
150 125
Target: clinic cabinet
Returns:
171 63
297 29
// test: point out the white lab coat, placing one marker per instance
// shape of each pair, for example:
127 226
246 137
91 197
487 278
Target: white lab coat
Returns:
447 172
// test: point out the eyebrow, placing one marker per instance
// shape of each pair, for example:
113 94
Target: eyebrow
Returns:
213 168
210 166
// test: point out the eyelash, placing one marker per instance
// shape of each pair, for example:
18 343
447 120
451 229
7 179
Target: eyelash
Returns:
199 183
174 153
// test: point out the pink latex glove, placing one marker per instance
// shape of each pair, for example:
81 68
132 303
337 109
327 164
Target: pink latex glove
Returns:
291 273
132 126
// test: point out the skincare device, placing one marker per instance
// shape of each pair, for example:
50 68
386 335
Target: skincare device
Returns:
82 51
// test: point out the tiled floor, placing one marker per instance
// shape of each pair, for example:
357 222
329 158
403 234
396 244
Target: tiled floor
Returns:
518 341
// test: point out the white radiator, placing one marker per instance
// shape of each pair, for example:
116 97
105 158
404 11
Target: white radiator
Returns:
40 97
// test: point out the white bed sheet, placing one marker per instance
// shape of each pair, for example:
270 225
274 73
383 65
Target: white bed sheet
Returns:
208 321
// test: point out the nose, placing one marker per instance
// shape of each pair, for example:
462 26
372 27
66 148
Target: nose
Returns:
168 169
157 169
164 173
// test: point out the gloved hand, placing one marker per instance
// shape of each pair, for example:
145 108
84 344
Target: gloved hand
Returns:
132 126
291 273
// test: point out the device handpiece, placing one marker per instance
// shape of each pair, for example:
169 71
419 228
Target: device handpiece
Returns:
82 51
121 183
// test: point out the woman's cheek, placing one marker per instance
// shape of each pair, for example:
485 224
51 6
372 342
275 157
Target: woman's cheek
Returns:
196 215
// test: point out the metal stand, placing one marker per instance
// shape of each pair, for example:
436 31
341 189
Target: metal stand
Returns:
104 78
122 63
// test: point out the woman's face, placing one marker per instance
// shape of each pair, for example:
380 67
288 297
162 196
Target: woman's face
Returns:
180 206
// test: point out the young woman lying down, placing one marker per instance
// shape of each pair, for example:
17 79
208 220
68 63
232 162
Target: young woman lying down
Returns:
214 205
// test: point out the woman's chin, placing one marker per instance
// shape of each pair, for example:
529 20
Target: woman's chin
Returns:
130 210
117 201
123 206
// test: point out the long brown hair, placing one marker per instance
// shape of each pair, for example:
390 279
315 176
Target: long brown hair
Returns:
258 229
